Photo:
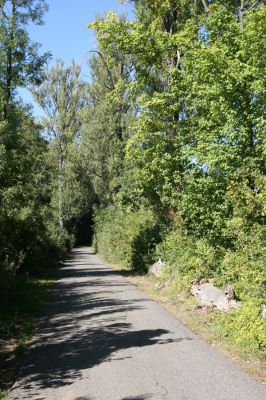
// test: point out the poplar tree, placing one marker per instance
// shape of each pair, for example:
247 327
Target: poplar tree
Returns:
61 96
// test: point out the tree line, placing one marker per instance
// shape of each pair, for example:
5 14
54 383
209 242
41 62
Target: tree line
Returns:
166 142
43 191
185 82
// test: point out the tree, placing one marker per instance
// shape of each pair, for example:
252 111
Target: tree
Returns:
24 192
105 121
198 95
20 63
61 96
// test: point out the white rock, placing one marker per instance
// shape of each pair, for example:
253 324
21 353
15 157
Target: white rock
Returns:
263 311
211 296
157 267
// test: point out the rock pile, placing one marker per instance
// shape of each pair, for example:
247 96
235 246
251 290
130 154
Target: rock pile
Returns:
211 296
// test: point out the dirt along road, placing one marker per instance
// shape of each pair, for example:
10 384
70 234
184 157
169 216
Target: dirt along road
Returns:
102 339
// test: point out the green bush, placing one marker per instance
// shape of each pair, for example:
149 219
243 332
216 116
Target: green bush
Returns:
60 242
126 237
245 266
245 327
187 256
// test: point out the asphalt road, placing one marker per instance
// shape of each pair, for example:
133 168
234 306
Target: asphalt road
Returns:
102 339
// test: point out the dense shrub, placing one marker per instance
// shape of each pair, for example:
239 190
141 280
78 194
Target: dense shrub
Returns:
126 236
243 266
245 327
187 256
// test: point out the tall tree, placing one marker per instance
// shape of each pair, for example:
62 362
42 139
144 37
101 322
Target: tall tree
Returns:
105 122
61 96
24 191
198 95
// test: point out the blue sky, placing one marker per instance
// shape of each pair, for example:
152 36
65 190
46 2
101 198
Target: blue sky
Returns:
65 33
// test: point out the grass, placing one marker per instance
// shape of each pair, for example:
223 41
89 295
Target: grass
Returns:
22 299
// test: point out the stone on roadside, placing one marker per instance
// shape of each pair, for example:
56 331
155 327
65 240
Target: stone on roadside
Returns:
157 267
159 285
263 311
211 296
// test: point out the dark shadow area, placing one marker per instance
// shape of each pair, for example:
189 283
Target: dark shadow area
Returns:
82 261
68 351
141 397
104 270
84 230
83 398
90 272
86 324
143 246
82 254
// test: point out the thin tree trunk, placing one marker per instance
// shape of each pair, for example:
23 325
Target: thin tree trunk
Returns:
241 13
60 188
9 61
205 5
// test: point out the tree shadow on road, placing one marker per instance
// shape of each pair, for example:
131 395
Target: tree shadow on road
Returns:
141 397
84 327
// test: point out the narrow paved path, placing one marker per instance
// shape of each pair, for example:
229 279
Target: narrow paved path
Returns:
102 339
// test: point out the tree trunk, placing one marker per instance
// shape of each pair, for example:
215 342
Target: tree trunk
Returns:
9 61
60 188
241 13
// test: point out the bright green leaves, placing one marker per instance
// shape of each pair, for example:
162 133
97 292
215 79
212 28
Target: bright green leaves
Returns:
195 144
61 96
113 35
198 89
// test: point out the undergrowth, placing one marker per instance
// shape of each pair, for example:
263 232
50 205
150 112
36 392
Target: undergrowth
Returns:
135 239
22 297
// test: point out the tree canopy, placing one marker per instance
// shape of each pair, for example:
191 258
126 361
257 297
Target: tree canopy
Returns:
165 142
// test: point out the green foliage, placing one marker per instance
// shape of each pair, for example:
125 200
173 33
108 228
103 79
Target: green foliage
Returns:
22 299
3 395
29 236
21 197
195 150
105 125
61 96
126 236
187 257
191 259
20 62
245 327
245 266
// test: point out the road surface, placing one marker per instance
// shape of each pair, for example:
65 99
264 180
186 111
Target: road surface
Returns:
102 339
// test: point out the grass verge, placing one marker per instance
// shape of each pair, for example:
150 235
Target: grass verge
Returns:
22 299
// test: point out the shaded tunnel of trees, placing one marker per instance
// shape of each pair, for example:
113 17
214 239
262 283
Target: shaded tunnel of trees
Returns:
84 230
165 143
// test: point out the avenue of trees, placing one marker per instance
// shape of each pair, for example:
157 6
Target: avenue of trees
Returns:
166 143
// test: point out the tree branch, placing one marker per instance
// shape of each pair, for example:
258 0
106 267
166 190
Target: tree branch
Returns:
106 66
205 5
